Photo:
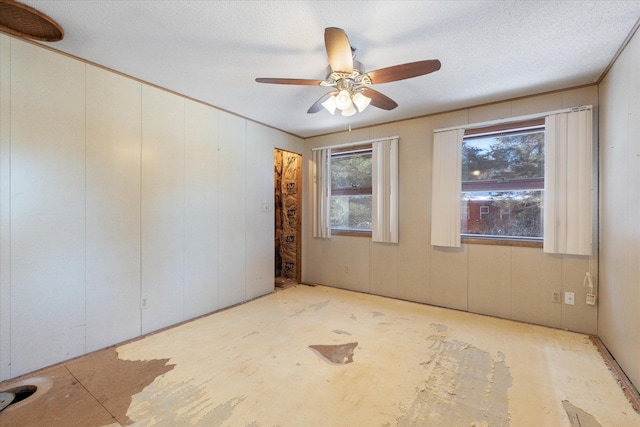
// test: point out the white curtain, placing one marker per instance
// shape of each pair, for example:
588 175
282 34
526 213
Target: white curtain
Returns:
384 226
568 183
446 188
321 169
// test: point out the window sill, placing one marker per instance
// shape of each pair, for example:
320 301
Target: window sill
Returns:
502 242
351 233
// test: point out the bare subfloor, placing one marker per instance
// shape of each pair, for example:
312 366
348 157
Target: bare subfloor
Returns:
318 356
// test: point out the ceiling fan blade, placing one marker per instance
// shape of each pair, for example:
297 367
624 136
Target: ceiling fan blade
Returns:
303 82
379 100
404 71
317 106
338 50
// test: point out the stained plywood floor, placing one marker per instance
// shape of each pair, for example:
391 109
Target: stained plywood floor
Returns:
318 356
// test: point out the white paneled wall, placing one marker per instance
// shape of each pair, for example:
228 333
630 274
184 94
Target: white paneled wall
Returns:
490 280
47 207
259 225
113 208
202 204
619 320
123 208
163 196
413 259
511 282
5 207
232 238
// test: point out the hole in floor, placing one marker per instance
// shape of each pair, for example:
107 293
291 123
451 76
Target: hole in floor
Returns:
15 395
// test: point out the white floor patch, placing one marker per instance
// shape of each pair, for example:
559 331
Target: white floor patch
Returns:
463 386
410 365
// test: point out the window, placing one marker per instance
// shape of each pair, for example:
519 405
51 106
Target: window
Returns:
351 189
503 182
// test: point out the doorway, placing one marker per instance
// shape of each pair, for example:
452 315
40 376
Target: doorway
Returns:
288 217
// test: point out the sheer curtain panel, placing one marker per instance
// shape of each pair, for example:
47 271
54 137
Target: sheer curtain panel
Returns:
446 188
568 183
321 169
384 227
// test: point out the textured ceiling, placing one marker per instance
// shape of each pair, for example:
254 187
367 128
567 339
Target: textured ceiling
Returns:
213 50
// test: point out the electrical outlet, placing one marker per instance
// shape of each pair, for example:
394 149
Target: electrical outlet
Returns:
144 303
556 297
570 298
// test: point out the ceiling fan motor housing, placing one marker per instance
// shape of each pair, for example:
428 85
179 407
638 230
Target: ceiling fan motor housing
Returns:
347 77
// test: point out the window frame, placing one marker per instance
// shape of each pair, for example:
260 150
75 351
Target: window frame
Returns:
336 152
496 131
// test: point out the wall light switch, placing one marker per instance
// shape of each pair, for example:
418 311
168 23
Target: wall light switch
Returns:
570 298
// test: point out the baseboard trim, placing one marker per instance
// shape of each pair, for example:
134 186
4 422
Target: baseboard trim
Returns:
627 386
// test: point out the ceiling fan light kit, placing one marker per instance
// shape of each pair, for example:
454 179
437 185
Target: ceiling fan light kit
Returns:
347 102
361 101
343 100
352 90
349 111
330 104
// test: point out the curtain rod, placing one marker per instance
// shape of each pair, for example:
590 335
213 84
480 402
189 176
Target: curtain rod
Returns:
515 119
348 144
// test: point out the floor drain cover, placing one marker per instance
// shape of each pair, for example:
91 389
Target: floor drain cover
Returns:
6 399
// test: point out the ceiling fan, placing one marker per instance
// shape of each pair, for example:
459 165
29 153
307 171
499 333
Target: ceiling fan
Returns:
351 85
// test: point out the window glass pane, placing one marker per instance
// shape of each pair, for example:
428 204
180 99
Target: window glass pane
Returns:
513 214
351 171
503 183
351 213
507 156
351 190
